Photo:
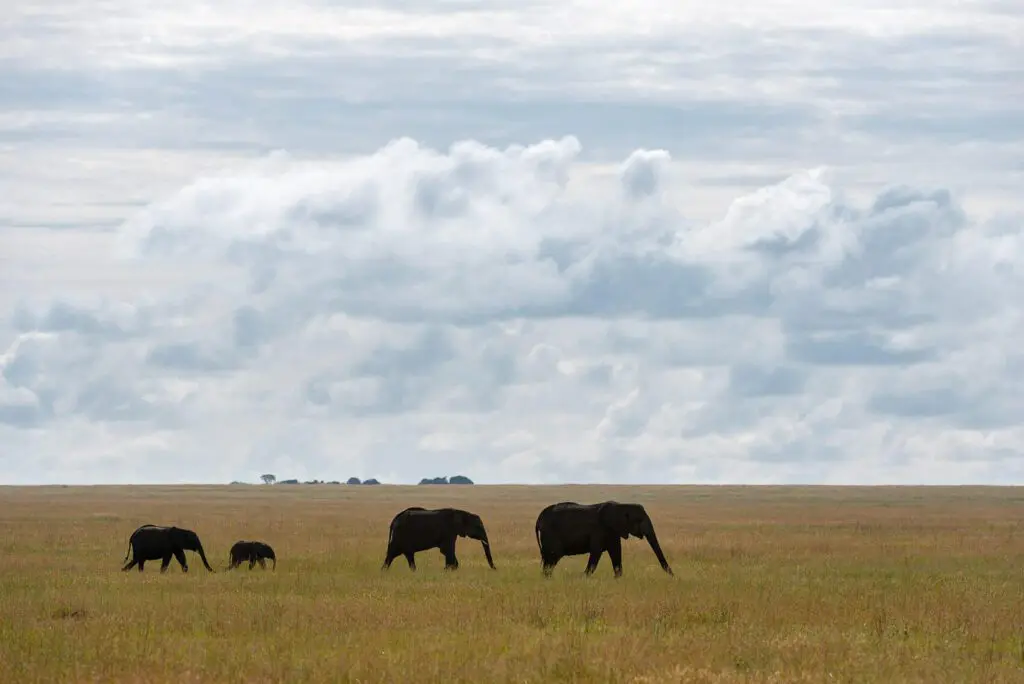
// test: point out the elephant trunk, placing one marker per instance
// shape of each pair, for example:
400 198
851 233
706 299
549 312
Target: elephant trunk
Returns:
202 555
652 539
487 550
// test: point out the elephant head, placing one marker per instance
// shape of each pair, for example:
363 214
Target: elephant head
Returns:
625 519
189 541
470 525
267 552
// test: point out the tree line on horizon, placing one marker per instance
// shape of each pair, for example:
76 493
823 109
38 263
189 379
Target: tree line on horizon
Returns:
271 479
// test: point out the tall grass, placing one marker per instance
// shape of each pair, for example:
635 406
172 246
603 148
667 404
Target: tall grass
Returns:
772 584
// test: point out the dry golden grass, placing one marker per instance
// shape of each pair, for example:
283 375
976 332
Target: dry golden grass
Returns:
773 584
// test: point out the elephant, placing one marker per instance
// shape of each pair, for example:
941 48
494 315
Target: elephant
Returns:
571 529
418 529
152 542
252 551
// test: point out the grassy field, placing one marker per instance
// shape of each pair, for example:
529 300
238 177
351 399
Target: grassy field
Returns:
772 584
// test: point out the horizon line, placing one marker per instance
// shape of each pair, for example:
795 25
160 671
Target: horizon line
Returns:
509 484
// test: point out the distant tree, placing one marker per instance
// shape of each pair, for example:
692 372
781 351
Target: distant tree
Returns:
238 482
268 478
459 479
353 481
332 482
288 482
371 481
434 481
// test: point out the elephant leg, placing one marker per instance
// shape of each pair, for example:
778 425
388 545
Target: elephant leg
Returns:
548 563
142 563
390 556
263 564
179 555
410 557
595 558
165 562
550 554
615 554
448 551
252 563
130 565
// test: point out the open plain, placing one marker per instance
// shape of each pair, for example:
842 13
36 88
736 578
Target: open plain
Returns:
781 584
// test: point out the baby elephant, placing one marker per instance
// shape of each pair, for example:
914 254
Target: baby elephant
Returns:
252 551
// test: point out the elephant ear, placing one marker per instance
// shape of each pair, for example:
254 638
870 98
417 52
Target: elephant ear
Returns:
459 523
613 516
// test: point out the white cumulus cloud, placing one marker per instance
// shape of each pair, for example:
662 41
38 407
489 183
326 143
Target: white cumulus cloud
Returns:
508 314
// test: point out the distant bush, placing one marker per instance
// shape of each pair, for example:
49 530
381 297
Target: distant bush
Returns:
351 481
455 479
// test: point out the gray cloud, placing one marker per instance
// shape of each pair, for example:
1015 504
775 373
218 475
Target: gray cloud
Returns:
187 357
751 381
852 349
483 296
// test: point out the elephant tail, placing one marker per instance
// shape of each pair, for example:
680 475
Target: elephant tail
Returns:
536 530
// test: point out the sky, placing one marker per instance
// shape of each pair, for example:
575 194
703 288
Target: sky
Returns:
750 241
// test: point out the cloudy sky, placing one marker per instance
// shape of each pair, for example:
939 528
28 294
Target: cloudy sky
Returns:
758 241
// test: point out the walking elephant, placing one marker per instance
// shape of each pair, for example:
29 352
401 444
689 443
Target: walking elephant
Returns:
571 529
153 542
252 551
418 529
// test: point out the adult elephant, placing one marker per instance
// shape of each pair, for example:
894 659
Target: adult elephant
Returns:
153 542
418 529
571 529
252 551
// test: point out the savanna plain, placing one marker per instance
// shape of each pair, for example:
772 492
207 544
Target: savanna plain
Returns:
772 584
